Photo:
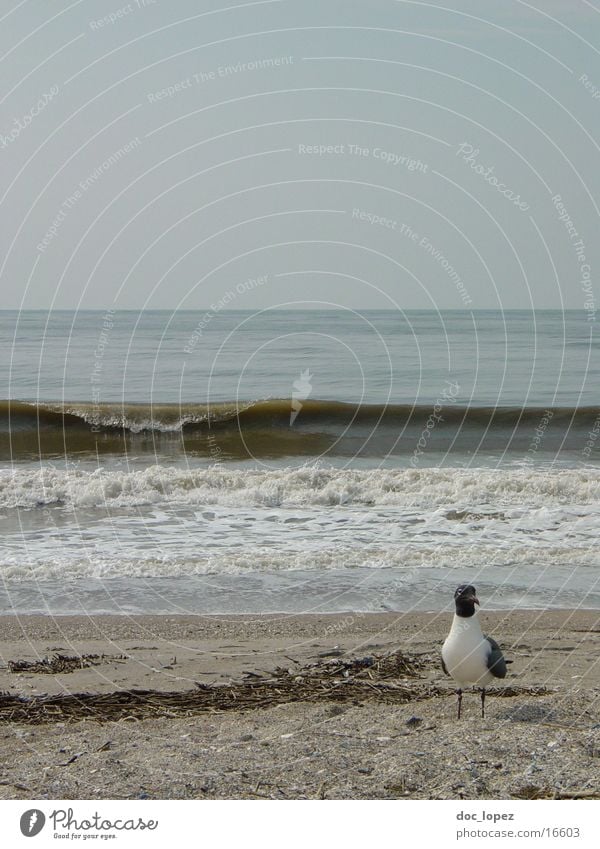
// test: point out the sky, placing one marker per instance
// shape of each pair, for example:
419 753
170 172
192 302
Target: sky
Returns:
388 154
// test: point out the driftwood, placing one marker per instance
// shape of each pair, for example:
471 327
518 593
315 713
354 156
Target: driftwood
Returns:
532 791
390 678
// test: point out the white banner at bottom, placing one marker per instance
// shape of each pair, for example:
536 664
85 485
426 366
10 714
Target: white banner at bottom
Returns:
303 823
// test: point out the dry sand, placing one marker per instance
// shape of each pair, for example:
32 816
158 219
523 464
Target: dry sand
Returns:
368 746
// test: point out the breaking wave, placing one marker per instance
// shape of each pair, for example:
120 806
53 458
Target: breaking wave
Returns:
285 428
307 486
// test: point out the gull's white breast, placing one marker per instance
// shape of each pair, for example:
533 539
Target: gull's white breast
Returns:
466 651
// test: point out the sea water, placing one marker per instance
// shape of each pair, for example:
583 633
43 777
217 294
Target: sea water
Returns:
221 461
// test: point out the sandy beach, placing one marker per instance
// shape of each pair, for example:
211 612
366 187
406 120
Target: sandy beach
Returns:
362 734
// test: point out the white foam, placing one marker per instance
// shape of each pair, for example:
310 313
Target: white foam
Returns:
409 563
226 540
167 522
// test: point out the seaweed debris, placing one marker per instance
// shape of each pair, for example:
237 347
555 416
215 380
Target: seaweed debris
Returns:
60 663
393 678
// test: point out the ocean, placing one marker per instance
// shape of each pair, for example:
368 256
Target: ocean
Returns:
297 461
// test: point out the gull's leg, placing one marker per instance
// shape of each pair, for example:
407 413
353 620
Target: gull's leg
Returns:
459 694
483 702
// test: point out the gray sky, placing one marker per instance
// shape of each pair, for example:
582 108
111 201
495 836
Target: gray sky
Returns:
363 154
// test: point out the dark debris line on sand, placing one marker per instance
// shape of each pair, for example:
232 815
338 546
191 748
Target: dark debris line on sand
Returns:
61 663
353 681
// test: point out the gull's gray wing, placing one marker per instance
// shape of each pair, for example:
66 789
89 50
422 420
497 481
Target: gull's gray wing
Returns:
495 662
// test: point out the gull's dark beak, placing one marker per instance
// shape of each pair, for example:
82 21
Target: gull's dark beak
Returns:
475 599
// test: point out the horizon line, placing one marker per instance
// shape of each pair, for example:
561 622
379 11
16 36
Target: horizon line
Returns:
296 309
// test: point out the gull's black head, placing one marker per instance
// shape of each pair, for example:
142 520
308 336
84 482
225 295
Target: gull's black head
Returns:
465 599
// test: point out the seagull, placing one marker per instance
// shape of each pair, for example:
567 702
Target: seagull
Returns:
468 656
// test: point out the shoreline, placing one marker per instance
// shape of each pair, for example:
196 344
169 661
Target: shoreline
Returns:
396 739
282 613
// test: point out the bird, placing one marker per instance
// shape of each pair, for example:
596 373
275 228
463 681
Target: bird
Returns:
468 656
